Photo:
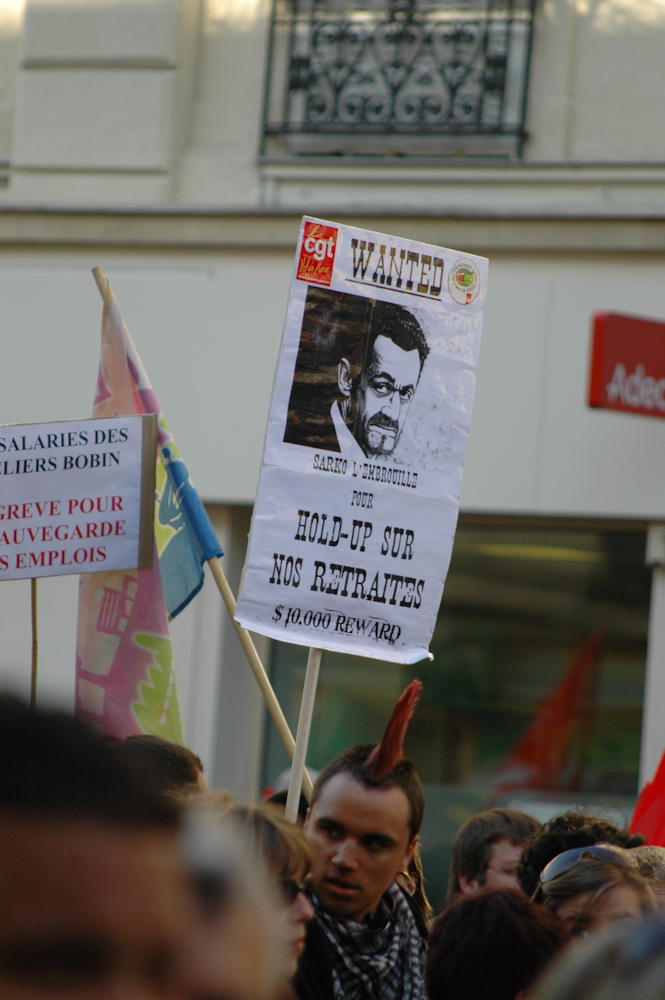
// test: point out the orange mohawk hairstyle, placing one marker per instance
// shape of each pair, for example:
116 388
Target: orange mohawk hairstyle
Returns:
390 750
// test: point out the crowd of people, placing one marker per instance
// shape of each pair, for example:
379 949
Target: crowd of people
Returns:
123 877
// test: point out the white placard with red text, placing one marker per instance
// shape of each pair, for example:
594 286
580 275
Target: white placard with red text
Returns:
358 497
76 496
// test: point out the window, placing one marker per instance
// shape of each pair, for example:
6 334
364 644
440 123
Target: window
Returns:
401 77
522 598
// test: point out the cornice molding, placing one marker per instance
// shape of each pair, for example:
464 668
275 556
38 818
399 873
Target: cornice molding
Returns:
207 229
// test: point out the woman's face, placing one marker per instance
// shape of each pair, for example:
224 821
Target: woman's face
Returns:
295 918
619 903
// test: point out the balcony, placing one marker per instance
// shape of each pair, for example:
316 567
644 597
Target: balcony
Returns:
398 78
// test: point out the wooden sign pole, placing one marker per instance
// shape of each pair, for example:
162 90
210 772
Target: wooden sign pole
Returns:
33 677
298 772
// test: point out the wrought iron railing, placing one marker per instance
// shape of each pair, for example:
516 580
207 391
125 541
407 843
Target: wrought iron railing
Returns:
343 76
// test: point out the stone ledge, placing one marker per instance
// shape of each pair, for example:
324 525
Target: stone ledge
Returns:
386 170
564 190
278 230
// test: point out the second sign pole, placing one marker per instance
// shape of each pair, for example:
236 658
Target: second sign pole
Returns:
302 735
33 672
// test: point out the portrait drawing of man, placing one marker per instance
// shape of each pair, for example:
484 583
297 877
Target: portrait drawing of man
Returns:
358 368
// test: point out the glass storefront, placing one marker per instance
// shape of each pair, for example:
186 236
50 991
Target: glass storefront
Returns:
523 597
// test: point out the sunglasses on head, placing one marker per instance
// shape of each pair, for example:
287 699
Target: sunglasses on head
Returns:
568 859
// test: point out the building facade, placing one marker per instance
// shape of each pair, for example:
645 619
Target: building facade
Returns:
178 142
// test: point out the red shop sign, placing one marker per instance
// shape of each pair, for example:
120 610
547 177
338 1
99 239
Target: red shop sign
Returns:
628 364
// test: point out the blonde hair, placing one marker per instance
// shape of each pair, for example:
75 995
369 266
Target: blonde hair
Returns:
282 845
218 801
590 874
650 862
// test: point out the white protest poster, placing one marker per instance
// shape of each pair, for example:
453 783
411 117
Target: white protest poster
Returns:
358 496
77 496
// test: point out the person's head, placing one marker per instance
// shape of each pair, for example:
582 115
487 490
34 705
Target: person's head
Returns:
651 863
378 389
93 894
234 946
167 766
490 946
287 855
487 849
573 829
364 819
588 887
619 962
278 799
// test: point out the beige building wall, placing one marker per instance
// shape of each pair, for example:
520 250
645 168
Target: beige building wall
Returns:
208 324
159 102
130 136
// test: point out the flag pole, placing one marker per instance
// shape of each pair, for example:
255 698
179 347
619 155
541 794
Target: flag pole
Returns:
33 677
248 646
298 772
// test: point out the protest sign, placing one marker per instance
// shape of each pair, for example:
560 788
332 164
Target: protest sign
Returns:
76 496
358 497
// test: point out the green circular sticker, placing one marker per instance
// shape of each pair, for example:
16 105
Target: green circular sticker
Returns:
464 281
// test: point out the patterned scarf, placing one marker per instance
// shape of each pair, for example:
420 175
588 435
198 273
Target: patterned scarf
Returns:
382 958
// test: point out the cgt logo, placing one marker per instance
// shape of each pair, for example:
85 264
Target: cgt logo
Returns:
317 255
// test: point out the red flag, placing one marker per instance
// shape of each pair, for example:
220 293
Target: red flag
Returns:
649 813
541 757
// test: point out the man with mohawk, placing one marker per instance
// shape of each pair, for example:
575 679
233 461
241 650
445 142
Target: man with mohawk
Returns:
368 940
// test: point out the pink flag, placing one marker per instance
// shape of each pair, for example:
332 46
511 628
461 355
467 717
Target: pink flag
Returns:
125 680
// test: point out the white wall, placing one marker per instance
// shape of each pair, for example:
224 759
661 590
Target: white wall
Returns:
208 328
534 445
222 708
56 633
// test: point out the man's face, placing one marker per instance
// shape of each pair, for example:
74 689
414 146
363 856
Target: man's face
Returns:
89 911
360 838
501 872
382 398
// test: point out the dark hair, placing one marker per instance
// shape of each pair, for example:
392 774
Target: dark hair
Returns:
279 799
52 764
167 766
383 319
399 325
572 829
490 946
472 848
403 775
339 325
